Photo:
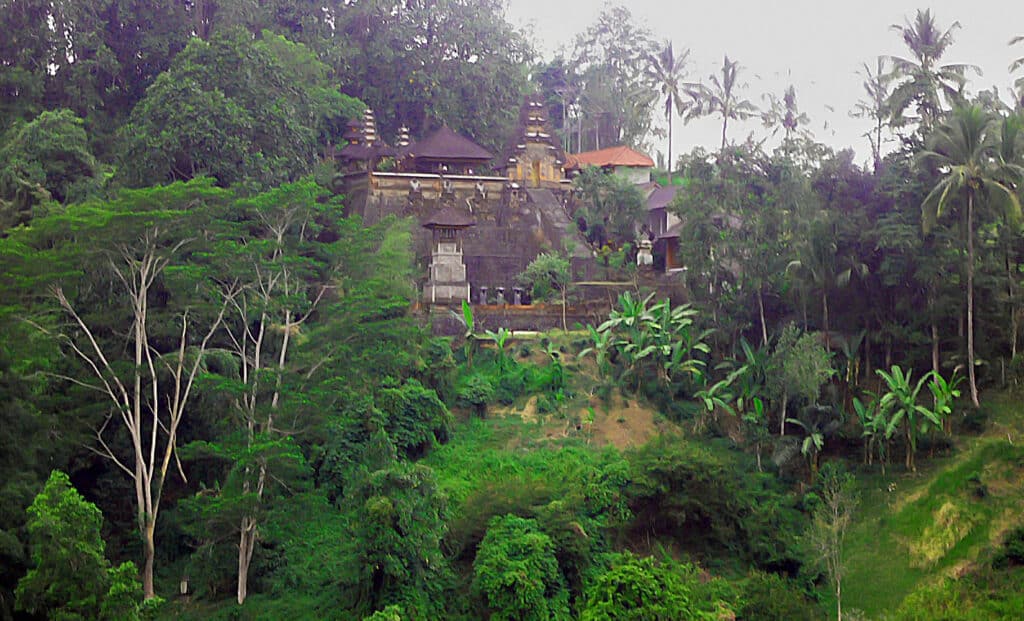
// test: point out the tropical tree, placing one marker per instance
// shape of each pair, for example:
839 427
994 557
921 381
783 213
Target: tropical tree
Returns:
970 148
612 207
798 367
901 407
617 96
783 113
922 82
546 272
875 104
667 72
140 250
1014 66
516 571
72 578
722 98
824 269
830 521
655 341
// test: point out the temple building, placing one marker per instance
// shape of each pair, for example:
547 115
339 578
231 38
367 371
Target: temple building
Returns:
478 229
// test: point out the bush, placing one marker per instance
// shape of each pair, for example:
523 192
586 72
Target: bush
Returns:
643 589
516 573
709 504
476 391
1012 552
768 597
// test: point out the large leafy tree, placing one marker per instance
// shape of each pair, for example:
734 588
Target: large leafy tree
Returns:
611 210
95 58
48 157
723 98
970 147
129 308
420 64
236 109
618 94
71 577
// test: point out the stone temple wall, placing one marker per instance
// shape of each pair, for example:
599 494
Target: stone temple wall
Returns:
513 225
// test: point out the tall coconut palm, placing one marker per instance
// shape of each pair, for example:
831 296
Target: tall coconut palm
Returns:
967 148
722 98
667 71
923 82
1014 66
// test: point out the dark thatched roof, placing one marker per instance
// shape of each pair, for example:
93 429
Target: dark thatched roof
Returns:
661 197
448 217
445 144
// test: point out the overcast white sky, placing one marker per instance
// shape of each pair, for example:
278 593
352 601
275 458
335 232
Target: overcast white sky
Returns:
817 45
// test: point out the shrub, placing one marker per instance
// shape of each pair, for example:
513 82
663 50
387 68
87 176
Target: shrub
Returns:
767 597
644 589
476 391
1012 552
516 573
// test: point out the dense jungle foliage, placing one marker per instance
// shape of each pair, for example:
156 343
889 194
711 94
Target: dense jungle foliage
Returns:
218 401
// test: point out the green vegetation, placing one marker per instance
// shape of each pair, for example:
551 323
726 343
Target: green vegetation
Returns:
256 422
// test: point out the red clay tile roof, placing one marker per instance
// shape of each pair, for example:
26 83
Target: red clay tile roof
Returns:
612 156
445 144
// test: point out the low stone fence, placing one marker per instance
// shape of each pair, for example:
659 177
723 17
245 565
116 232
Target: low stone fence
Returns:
448 321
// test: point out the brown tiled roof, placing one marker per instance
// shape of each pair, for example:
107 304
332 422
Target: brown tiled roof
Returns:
449 217
445 144
612 156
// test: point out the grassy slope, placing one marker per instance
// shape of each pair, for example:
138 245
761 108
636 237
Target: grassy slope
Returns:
937 522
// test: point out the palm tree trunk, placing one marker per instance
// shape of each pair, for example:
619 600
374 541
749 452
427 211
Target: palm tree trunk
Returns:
668 164
970 300
725 124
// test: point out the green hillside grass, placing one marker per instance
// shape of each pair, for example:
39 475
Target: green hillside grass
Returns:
939 523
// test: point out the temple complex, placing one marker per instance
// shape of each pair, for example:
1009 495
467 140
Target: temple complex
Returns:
479 229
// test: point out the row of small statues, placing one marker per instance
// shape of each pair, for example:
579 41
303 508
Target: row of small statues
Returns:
502 295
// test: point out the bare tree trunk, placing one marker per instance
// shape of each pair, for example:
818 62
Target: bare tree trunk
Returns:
564 301
839 599
246 545
824 317
970 301
160 400
148 555
760 311
782 414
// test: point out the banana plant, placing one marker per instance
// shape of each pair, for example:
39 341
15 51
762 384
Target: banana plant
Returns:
873 425
901 406
470 335
499 338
